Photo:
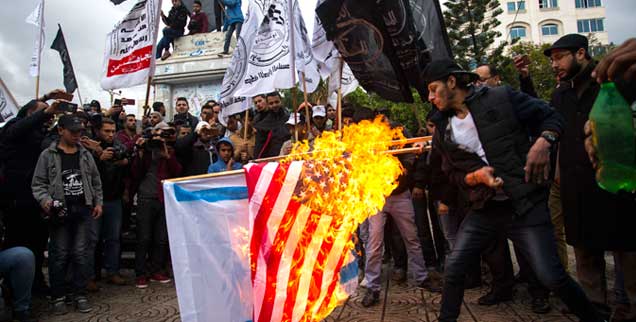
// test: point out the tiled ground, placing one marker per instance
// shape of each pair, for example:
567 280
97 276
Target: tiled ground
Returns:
402 303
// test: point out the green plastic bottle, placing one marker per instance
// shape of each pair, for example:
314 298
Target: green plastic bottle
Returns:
614 133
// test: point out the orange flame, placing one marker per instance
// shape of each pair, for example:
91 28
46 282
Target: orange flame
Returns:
347 177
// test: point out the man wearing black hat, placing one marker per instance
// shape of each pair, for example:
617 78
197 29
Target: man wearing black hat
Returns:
483 137
67 185
595 220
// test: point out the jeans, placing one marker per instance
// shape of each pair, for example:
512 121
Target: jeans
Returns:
152 237
428 231
400 208
533 234
558 220
169 35
450 225
17 264
107 229
69 245
228 35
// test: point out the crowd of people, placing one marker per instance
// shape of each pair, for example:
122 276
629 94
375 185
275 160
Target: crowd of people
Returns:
228 17
503 165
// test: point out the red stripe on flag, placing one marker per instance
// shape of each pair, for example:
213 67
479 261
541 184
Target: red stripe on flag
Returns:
137 60
318 271
297 264
260 221
336 278
251 177
274 259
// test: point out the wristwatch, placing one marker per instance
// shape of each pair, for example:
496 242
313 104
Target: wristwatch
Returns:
551 137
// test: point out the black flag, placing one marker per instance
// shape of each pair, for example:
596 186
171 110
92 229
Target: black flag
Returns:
70 82
387 43
116 2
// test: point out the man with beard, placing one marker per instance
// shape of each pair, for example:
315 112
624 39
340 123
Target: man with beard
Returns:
128 135
483 137
196 151
269 123
595 220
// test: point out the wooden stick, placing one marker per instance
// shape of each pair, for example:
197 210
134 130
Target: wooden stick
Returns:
307 116
37 86
392 152
148 90
339 103
207 175
294 110
245 124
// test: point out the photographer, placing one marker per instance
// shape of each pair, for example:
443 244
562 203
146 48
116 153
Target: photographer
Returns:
67 185
155 160
112 160
196 151
20 143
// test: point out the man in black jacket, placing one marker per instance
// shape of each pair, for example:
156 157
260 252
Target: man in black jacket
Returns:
112 159
486 151
595 220
269 123
196 150
175 22
21 142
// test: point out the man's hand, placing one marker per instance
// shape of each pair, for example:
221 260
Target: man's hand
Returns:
538 164
56 94
485 176
107 154
52 109
121 163
164 153
418 193
302 106
97 211
243 157
115 110
442 209
521 64
230 164
590 147
91 144
47 207
620 61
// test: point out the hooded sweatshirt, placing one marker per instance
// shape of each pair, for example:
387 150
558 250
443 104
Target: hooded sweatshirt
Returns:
220 165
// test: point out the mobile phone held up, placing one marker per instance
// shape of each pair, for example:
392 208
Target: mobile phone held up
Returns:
67 107
123 101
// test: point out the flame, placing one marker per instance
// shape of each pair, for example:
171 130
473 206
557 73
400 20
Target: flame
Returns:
347 177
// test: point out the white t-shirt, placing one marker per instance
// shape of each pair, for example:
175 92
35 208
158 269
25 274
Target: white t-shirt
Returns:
465 134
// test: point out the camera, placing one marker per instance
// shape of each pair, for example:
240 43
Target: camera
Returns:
58 210
67 107
119 152
154 144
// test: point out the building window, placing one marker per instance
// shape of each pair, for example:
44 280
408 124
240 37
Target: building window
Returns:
545 4
518 5
550 29
518 32
590 25
588 3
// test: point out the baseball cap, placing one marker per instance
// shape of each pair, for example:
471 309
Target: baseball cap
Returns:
571 41
291 119
319 110
71 123
442 68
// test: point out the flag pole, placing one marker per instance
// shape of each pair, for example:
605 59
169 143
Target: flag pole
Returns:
148 90
339 103
292 64
37 78
295 110
307 117
37 84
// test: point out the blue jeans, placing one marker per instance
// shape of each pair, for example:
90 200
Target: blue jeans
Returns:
400 208
69 245
107 229
533 234
17 264
152 237
169 35
228 34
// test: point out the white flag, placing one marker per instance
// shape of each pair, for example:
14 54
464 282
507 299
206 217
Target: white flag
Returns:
230 103
8 106
271 60
208 229
36 18
129 57
348 81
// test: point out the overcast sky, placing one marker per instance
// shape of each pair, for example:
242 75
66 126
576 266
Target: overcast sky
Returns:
86 23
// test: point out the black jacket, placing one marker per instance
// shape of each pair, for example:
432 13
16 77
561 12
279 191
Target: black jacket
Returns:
194 156
113 175
177 18
428 175
20 150
504 119
188 118
271 132
594 218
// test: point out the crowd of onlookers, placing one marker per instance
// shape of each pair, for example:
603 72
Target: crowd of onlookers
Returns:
71 181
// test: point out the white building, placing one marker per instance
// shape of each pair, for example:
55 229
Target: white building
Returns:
545 21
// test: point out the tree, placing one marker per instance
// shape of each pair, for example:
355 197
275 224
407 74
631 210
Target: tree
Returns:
471 28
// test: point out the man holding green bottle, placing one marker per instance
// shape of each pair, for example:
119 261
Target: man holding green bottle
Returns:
595 220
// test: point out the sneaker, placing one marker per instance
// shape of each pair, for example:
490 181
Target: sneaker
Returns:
399 275
371 298
92 286
492 298
163 279
82 305
165 55
24 316
540 305
433 286
116 279
141 282
58 307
